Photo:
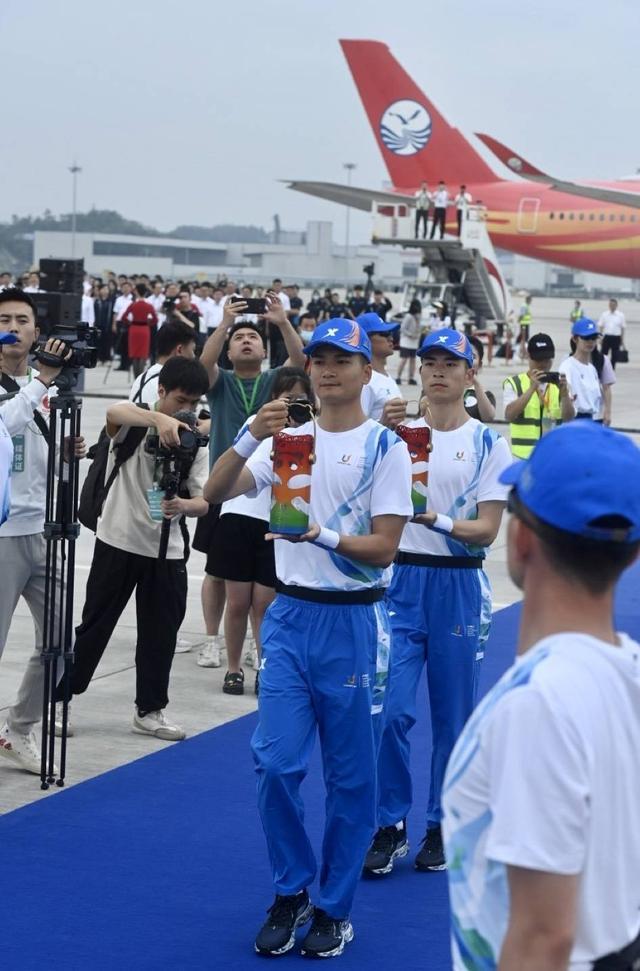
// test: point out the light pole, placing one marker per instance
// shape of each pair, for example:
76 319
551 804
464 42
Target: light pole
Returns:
349 166
74 169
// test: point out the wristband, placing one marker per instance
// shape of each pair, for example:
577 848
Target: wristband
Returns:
444 524
328 539
245 445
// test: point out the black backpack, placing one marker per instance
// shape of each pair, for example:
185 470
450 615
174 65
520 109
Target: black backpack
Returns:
95 489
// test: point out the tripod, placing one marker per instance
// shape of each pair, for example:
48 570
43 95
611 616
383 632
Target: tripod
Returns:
61 530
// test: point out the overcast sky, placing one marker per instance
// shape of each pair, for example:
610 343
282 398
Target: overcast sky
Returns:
190 112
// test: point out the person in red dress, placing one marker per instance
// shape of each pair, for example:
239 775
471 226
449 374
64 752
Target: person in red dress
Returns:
139 318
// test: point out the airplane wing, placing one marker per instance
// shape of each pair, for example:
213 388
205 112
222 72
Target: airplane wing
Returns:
522 167
348 195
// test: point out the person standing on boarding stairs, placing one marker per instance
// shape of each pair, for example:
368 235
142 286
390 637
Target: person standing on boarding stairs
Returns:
423 200
23 548
233 396
320 637
462 202
541 793
439 598
440 203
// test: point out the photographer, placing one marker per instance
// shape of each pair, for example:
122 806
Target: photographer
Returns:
537 399
23 550
233 396
127 544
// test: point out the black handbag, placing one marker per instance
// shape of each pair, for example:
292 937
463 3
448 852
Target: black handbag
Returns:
622 356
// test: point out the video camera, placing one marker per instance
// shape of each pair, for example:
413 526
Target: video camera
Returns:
59 315
168 305
80 339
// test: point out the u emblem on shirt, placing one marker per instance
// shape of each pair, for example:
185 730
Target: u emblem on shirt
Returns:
345 460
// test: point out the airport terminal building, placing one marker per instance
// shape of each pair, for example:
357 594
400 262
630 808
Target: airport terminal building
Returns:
310 258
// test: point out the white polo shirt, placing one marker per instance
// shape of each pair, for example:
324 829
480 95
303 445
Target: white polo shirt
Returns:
612 323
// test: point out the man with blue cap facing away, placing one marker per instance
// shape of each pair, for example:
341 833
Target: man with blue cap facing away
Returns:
381 398
582 377
439 598
322 664
541 796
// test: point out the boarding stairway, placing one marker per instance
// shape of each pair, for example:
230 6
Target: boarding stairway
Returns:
468 261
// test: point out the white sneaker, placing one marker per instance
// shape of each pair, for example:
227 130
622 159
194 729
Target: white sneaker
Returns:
182 646
156 723
21 749
209 656
251 658
70 731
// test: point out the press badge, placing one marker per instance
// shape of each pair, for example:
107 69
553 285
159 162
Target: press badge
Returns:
18 453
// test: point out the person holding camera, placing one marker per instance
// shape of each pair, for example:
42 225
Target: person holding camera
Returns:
233 396
128 537
537 399
23 550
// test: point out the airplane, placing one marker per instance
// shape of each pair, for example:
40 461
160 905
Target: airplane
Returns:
593 227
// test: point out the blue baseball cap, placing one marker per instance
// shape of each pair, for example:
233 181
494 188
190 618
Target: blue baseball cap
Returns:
449 340
371 323
7 338
578 474
585 328
347 335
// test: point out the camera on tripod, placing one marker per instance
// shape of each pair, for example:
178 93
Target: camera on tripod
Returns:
80 339
190 439
59 313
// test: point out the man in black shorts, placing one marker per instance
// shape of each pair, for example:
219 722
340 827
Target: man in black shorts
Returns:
233 396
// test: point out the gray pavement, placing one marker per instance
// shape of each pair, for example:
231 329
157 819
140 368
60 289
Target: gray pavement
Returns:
102 717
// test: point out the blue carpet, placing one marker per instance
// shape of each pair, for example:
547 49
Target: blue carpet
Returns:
161 864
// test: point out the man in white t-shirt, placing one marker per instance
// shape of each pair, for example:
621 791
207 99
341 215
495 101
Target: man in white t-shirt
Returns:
174 340
612 325
439 598
541 796
216 309
462 202
125 556
440 203
381 398
325 637
23 549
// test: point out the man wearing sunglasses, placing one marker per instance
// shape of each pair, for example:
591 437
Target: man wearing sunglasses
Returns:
581 374
541 793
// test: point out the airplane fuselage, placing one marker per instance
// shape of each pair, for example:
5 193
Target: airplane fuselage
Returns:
539 222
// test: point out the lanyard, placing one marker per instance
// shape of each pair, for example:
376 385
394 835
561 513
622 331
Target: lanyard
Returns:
248 404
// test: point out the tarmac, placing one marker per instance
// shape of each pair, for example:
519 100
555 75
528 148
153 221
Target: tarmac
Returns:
102 717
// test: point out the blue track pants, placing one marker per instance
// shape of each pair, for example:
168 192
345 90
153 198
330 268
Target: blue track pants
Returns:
319 672
439 617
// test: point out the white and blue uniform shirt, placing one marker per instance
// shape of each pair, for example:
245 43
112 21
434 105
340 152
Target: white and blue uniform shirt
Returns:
464 469
6 461
358 474
543 768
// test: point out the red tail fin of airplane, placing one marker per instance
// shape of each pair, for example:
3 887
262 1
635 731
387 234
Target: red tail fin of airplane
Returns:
415 140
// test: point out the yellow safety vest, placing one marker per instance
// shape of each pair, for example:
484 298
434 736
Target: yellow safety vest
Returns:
525 315
540 415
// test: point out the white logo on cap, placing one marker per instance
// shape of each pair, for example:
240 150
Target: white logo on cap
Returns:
443 339
332 332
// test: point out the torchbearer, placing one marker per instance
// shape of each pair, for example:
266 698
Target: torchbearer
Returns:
321 636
